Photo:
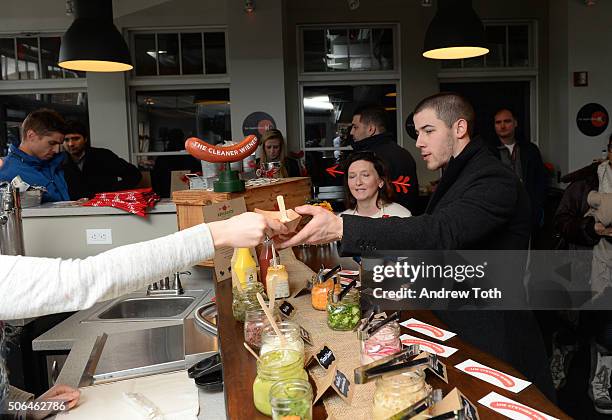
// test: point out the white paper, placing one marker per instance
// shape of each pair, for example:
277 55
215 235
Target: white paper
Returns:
493 376
428 346
512 409
427 329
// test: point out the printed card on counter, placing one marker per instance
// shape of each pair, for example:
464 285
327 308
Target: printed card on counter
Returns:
428 346
512 409
493 376
427 329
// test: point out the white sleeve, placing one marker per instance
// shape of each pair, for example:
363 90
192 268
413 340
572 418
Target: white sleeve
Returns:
32 286
397 210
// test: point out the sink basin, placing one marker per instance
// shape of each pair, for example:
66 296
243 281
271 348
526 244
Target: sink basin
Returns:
158 307
137 307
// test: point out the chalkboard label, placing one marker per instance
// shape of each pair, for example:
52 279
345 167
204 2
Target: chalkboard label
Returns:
469 411
306 336
326 357
286 309
342 384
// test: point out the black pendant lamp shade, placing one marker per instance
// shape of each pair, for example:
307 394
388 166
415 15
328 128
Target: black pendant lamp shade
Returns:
455 32
93 43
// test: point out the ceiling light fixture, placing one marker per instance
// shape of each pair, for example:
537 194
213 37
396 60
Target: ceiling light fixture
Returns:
455 32
92 42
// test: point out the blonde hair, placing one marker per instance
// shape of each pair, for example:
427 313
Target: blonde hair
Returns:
274 134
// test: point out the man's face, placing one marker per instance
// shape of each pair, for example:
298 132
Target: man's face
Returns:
505 125
44 146
75 144
435 139
360 131
272 149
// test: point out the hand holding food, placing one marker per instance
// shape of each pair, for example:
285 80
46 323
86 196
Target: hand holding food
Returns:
244 230
324 227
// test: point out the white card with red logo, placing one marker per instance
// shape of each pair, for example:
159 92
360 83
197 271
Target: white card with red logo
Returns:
492 376
428 346
512 409
427 329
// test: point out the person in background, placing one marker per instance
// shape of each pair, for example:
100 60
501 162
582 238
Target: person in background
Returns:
164 165
38 159
33 286
274 150
525 160
89 170
369 131
367 189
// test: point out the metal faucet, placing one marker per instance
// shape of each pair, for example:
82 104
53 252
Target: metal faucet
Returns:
163 286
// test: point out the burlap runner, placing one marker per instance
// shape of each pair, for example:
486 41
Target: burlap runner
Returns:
345 346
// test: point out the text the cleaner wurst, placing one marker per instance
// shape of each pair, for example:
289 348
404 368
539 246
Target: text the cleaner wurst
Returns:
204 151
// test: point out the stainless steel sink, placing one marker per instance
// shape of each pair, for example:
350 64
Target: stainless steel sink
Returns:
148 308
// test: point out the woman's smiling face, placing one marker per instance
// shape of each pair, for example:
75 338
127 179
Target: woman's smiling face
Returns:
363 180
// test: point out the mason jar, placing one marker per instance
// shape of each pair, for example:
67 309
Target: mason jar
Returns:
384 342
272 367
255 322
397 392
245 299
290 331
291 398
345 314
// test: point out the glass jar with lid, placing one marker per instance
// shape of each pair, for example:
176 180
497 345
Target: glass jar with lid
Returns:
397 392
382 343
319 292
245 299
272 367
291 398
344 314
255 322
290 331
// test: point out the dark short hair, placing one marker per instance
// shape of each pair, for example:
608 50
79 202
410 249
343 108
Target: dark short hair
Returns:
77 127
43 121
372 114
505 108
385 194
449 107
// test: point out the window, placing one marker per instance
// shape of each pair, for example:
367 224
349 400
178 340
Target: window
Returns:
510 46
347 49
166 118
32 57
178 53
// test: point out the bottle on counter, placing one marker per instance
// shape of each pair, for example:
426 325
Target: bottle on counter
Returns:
291 399
384 342
273 367
278 274
244 269
290 331
397 392
265 260
345 314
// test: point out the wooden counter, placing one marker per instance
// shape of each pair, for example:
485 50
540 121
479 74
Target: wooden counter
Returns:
239 366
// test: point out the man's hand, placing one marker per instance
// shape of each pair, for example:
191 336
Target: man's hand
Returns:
601 230
244 230
65 396
324 227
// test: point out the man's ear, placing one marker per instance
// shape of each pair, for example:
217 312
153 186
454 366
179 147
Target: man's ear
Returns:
461 128
30 135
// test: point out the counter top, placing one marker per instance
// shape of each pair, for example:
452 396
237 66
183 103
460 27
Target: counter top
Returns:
72 208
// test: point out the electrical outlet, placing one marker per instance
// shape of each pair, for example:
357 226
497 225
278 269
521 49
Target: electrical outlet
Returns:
99 236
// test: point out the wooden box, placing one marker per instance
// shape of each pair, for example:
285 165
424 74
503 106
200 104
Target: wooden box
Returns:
190 203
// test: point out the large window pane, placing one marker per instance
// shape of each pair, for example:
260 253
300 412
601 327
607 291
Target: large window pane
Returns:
7 59
168 54
214 45
382 49
27 54
72 106
314 49
337 50
191 53
49 53
167 118
496 43
518 41
145 54
360 49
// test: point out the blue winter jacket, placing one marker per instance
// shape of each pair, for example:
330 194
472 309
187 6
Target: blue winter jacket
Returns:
34 171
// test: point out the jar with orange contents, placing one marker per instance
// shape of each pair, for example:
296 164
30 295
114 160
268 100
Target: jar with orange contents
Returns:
319 292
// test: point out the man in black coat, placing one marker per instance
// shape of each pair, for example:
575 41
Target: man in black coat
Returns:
369 133
524 159
478 204
90 170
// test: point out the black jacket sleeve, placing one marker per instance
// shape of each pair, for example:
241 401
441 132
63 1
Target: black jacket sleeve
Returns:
124 175
569 219
488 203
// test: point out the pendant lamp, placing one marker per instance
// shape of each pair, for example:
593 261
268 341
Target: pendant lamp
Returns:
455 32
93 43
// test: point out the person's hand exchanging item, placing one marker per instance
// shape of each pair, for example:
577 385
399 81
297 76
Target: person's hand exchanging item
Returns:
324 227
602 230
58 398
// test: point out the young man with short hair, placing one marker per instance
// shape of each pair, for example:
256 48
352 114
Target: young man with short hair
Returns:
38 160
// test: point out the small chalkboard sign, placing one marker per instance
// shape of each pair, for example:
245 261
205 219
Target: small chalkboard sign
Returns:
326 357
342 384
286 309
439 369
469 411
306 336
